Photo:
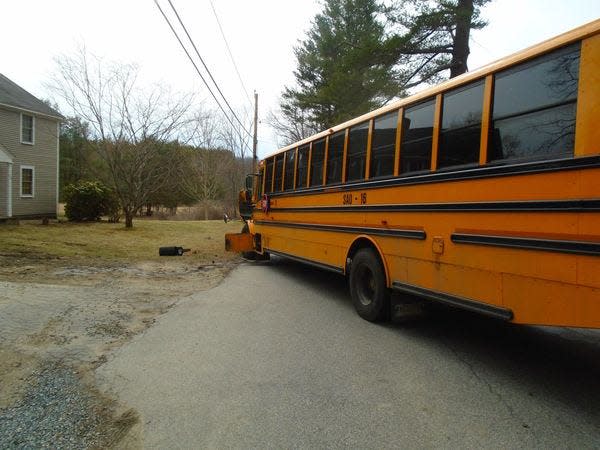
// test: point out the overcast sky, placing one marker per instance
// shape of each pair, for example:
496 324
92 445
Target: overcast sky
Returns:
261 35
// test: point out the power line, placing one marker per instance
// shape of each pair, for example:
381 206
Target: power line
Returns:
229 51
207 69
200 74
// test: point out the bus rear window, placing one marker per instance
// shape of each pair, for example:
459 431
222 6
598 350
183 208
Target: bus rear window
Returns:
278 172
417 132
290 161
316 163
302 167
534 107
460 135
335 154
383 147
357 152
269 175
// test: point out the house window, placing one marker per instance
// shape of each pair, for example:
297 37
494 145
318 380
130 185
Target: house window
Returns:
27 129
27 181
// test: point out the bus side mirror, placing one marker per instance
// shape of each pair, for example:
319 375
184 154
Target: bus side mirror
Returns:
249 182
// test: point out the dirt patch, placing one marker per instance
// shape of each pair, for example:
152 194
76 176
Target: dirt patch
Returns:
60 320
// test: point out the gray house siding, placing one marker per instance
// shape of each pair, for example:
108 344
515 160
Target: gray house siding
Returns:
38 156
42 156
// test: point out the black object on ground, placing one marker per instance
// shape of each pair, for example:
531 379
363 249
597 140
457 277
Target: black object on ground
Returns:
172 251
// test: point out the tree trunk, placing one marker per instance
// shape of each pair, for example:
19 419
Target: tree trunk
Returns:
128 219
460 51
205 210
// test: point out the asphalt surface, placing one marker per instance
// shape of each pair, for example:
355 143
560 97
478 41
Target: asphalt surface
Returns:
275 357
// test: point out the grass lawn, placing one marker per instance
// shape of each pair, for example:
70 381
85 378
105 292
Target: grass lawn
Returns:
107 242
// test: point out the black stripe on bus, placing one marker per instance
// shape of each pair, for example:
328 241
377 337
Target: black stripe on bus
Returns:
505 206
409 234
306 261
551 245
455 301
488 171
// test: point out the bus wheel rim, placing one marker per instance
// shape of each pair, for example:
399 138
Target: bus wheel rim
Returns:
366 286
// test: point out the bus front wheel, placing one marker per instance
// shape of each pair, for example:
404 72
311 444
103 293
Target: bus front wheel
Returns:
368 288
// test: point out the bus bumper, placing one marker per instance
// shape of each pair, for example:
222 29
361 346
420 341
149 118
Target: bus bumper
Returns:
239 242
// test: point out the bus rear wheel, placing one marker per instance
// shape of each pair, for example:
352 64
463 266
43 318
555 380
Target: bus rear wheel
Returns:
368 288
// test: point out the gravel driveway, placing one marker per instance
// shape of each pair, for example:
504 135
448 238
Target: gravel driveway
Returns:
57 325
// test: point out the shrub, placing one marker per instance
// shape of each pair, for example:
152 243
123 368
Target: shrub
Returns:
88 200
113 209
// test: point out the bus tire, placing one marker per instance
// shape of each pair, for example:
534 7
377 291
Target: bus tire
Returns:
248 255
368 288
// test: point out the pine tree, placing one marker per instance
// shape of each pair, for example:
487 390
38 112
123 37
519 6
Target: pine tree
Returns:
360 54
432 37
337 76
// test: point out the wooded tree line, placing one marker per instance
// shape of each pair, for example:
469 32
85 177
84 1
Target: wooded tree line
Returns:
152 147
361 54
192 176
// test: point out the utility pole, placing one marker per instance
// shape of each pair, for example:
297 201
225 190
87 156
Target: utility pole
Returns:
255 141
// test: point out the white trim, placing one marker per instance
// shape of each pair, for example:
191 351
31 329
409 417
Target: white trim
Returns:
5 156
9 182
30 111
32 129
32 181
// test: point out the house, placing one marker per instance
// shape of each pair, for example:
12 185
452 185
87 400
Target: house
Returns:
29 137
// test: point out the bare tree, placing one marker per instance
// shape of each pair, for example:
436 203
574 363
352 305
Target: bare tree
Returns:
128 126
291 124
238 141
236 138
213 164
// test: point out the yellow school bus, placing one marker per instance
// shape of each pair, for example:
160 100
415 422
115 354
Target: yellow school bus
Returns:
482 192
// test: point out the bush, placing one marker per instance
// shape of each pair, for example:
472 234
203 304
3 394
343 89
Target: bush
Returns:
88 200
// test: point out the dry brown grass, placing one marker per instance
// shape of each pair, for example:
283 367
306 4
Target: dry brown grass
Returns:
105 242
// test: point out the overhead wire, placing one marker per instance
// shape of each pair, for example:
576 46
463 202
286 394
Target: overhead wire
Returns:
234 127
230 53
207 69
197 69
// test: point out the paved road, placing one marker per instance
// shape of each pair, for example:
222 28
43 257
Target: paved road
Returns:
275 357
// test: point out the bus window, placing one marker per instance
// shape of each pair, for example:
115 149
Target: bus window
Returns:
316 163
268 175
302 167
357 152
335 154
534 107
278 172
290 161
460 135
417 132
383 146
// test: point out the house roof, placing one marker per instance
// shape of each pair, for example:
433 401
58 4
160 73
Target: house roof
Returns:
11 94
